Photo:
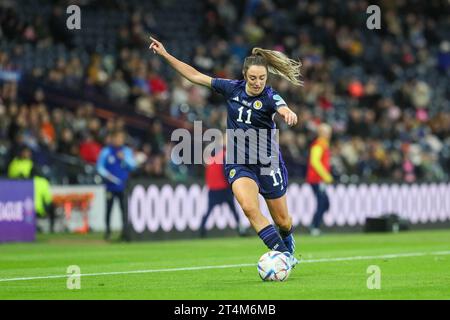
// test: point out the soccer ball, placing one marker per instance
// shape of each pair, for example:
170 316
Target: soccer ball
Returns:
274 266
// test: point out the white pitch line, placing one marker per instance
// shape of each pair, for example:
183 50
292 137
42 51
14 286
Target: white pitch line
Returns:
134 271
386 256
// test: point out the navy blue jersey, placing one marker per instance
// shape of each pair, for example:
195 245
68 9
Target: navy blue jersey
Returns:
251 114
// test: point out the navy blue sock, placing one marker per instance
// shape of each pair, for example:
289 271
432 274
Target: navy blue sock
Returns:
284 234
272 239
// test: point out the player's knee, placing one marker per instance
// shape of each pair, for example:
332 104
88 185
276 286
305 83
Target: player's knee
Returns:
250 209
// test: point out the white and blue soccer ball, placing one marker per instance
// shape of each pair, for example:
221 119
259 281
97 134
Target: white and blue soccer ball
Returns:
274 266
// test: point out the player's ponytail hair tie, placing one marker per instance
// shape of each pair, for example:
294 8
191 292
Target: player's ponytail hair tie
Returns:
280 64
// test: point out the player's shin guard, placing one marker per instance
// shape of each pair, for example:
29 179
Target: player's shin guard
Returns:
271 239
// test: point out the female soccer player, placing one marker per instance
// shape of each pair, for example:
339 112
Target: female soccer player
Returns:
252 105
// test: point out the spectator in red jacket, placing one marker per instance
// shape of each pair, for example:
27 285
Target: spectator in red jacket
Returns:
219 190
90 149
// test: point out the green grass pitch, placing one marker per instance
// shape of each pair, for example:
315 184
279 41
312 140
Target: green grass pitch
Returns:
413 265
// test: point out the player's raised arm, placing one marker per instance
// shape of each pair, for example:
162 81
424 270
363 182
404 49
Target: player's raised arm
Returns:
183 68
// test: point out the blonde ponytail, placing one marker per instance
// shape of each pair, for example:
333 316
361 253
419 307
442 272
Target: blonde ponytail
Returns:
278 63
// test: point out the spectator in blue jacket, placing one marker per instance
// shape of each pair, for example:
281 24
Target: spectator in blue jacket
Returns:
114 164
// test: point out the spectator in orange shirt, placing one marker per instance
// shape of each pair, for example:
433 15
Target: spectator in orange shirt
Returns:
47 129
319 173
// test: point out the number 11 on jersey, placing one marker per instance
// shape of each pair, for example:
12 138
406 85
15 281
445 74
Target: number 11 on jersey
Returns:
249 114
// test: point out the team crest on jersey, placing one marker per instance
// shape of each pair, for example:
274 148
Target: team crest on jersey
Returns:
232 173
257 104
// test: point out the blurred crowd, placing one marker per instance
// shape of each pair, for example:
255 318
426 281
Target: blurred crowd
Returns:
55 135
385 92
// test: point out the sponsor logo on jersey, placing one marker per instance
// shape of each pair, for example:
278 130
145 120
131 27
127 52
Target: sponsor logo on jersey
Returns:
246 103
232 173
257 104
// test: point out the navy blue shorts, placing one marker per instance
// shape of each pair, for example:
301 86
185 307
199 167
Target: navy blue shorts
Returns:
271 186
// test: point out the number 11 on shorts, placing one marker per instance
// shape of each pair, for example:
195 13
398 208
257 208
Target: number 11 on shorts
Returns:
274 177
